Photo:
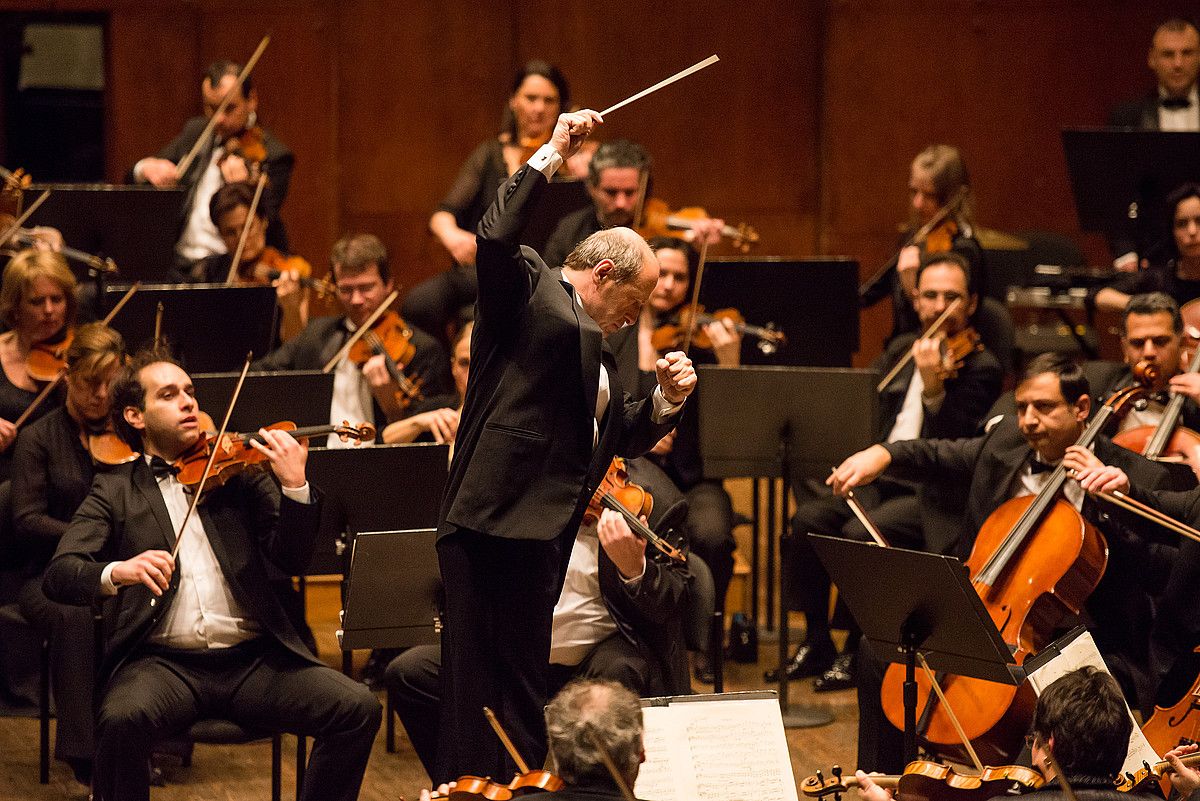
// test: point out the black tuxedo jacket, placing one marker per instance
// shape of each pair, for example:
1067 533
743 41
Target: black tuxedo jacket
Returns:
1141 114
247 522
524 466
278 167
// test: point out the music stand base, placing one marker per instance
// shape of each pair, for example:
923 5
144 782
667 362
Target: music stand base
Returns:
799 716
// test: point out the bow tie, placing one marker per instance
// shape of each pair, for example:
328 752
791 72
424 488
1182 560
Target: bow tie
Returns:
160 467
1175 102
1038 466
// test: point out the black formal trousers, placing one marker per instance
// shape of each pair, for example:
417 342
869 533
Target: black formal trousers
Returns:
258 684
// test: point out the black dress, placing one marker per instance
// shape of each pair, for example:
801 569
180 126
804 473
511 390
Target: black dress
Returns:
13 402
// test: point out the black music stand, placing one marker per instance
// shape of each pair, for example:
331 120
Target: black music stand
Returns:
135 226
814 302
301 396
1120 177
775 422
385 608
210 327
917 601
558 199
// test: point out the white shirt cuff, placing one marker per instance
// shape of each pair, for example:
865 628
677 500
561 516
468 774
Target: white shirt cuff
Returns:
301 494
546 160
663 408
106 583
632 584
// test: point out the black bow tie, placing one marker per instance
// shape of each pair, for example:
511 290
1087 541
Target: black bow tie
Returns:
1038 466
1175 102
161 467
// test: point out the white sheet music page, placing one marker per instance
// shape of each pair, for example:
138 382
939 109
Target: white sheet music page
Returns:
1077 653
716 749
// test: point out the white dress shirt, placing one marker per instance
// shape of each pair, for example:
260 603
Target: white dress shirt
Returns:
1180 119
200 239
352 399
204 613
1029 483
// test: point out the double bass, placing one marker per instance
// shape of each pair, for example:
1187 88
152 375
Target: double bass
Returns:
1035 560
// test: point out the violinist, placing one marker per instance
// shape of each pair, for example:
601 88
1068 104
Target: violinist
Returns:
1015 457
240 147
618 181
38 304
364 393
539 93
923 400
202 636
617 618
436 419
259 262
52 473
938 174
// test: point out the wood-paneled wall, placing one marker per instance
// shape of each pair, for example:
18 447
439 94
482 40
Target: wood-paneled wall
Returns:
805 129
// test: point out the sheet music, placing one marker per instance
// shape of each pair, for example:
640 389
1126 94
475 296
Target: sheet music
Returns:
719 749
1080 652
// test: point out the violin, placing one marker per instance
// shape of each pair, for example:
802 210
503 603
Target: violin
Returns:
235 453
931 781
1141 779
935 236
1170 727
632 502
669 335
956 349
1168 441
390 337
46 360
106 447
659 220
474 788
272 264
10 209
1034 560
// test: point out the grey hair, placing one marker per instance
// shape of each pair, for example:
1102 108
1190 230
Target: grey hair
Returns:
619 153
613 244
606 710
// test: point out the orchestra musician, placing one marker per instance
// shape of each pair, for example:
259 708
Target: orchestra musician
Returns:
38 303
436 419
539 93
1174 58
921 401
710 511
202 636
1177 272
545 412
938 174
1013 458
225 159
52 473
617 618
368 393
228 209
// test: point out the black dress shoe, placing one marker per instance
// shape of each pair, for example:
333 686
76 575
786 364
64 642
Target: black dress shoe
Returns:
702 668
839 677
809 660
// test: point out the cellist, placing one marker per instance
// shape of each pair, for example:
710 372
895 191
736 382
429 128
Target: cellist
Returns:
1015 457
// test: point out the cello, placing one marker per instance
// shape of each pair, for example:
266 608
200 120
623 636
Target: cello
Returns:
1168 441
1034 560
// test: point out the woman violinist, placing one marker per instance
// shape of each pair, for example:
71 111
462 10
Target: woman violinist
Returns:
52 474
38 304
260 263
937 177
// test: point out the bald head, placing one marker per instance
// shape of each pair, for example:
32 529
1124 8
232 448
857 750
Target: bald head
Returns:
614 271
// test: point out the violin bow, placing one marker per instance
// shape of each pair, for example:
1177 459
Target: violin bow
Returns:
17 223
182 167
904 360
158 315
241 245
687 340
699 65
643 186
937 219
962 735
504 740
45 393
607 759
1118 498
362 329
212 457
861 513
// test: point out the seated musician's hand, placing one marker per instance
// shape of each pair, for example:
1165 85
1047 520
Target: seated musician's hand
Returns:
906 267
726 342
1185 780
462 246
665 445
234 169
1104 478
286 454
442 791
1187 384
1077 459
376 372
572 129
626 549
47 238
441 423
676 376
152 568
707 230
8 434
927 358
869 789
160 172
287 288
858 469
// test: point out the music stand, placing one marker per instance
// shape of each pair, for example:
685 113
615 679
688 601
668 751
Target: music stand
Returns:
135 226
210 327
814 302
1119 176
788 436
557 200
381 612
301 396
917 601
